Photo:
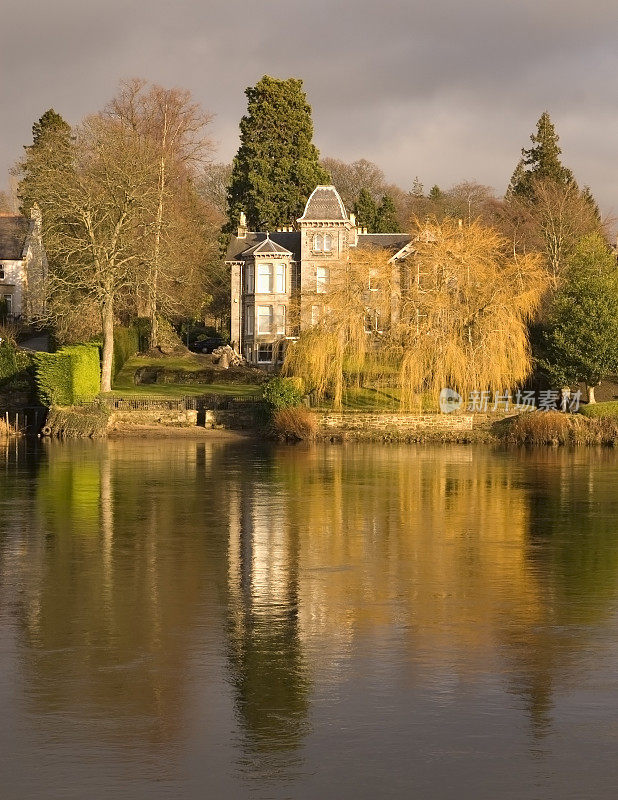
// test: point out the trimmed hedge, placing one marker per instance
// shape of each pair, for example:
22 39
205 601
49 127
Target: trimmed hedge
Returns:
69 376
16 368
608 409
126 345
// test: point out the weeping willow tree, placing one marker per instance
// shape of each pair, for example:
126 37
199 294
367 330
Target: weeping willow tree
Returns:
351 321
453 314
465 314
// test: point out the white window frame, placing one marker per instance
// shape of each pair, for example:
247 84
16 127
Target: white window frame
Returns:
281 319
280 275
315 314
265 277
327 243
265 345
249 320
263 327
318 242
322 278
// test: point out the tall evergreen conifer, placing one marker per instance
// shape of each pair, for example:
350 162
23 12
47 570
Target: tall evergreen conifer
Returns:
542 160
51 145
277 166
366 210
386 217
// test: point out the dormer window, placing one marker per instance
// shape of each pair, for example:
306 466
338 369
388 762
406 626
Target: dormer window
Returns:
322 243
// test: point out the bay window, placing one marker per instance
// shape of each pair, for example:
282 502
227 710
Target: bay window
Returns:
265 279
280 278
265 319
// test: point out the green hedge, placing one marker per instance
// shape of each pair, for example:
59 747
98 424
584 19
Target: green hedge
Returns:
126 345
16 368
69 376
608 409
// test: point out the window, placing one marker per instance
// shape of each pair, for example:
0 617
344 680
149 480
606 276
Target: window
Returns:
248 352
265 319
249 314
322 243
280 278
323 275
265 354
249 273
1 272
315 315
281 312
265 278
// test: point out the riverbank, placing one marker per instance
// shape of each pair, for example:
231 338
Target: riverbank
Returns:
250 422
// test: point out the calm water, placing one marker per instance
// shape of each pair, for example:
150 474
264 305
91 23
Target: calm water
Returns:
214 620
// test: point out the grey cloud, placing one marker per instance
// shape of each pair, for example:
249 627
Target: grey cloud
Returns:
444 89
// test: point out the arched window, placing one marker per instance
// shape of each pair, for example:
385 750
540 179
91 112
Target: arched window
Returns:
318 242
328 243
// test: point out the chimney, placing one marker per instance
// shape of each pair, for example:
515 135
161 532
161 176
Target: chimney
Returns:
242 226
353 219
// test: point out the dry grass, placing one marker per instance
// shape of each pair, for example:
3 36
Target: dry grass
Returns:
297 424
555 428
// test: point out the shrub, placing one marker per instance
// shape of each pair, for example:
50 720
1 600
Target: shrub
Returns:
283 392
609 409
297 423
71 375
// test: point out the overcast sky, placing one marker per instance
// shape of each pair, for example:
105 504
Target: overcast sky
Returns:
443 89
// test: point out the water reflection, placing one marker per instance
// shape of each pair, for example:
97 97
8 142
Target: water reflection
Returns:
147 587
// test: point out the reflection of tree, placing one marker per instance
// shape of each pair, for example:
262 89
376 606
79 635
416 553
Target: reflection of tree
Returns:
573 546
112 602
265 650
300 562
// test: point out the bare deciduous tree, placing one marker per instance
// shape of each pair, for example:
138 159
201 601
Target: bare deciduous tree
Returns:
95 230
173 126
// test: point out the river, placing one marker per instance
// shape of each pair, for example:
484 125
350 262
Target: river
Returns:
186 619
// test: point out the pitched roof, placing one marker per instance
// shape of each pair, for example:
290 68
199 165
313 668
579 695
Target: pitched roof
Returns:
324 204
13 236
389 241
267 246
288 240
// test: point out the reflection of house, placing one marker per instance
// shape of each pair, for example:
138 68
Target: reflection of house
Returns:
272 271
23 265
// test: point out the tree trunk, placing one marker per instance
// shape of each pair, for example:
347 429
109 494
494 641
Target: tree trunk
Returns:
107 319
591 399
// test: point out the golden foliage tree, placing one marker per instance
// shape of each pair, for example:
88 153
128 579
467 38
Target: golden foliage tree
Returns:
353 313
454 314
465 311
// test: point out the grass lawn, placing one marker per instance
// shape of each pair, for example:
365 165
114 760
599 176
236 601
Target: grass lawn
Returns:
124 386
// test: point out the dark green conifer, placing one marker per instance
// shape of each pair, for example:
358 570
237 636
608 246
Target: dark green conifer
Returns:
277 166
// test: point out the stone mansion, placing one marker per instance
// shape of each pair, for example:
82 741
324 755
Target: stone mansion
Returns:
272 271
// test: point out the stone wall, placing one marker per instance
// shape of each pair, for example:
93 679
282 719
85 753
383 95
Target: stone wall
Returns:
402 423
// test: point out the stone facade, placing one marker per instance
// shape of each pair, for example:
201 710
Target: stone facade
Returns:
402 423
23 266
278 279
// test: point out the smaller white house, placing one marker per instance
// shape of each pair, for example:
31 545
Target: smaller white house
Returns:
23 266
